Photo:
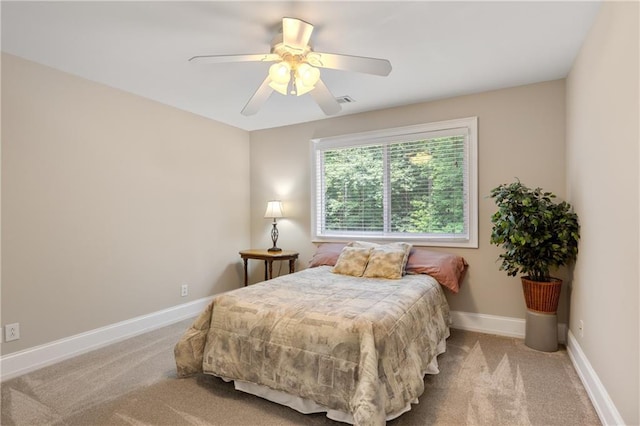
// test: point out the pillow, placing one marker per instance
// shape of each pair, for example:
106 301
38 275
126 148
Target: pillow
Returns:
352 261
449 269
405 247
386 262
365 244
326 254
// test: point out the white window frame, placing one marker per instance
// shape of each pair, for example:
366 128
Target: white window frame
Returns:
410 133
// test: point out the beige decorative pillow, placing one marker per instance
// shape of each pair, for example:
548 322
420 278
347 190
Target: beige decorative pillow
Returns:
386 262
352 261
397 246
363 244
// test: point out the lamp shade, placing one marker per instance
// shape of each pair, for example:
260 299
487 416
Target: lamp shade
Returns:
305 79
274 209
280 72
308 75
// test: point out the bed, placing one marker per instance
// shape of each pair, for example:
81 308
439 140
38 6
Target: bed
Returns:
356 347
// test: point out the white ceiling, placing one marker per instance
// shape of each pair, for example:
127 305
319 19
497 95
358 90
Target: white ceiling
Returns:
437 49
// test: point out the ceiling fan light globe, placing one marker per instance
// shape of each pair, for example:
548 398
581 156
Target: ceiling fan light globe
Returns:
279 87
307 74
302 88
280 72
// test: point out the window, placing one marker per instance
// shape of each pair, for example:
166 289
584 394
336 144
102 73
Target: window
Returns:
416 184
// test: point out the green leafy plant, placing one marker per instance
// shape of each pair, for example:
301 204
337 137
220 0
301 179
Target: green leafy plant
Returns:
536 233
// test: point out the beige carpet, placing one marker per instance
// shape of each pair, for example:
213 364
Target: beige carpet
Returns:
484 380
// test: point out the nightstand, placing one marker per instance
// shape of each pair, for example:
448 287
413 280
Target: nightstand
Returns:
268 257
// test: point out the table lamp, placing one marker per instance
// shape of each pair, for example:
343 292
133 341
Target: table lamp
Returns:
274 210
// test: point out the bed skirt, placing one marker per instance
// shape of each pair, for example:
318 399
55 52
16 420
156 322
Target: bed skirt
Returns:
307 406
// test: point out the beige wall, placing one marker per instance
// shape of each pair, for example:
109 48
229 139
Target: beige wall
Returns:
109 203
603 185
521 134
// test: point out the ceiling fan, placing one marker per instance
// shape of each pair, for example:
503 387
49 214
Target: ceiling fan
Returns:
295 69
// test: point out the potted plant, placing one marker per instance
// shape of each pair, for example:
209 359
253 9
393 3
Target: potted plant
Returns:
537 235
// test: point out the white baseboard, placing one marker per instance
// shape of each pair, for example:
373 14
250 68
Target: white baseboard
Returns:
25 361
493 324
606 409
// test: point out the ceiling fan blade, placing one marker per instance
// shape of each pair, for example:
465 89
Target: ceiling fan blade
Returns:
296 33
258 98
350 63
325 99
218 59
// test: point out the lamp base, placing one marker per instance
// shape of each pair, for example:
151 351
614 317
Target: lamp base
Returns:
274 237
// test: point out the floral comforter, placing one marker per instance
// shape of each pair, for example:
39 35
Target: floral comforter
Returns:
356 345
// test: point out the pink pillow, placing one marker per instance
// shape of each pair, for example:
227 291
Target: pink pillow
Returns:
449 269
326 254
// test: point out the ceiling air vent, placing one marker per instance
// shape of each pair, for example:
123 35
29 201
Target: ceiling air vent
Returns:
345 100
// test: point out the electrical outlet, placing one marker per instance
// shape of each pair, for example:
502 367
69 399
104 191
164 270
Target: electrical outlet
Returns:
581 328
184 290
11 332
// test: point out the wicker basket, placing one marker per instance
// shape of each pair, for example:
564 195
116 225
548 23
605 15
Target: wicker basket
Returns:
542 296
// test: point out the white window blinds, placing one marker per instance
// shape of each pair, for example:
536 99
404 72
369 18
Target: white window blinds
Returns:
411 183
